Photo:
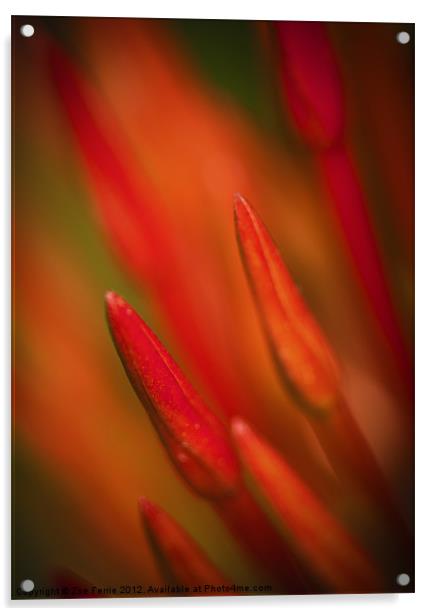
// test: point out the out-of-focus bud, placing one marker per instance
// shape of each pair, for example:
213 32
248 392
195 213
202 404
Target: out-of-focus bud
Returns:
318 538
182 561
311 81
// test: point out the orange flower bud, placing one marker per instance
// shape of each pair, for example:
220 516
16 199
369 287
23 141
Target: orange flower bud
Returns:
302 354
318 538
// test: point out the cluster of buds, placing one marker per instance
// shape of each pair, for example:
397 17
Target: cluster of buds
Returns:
206 452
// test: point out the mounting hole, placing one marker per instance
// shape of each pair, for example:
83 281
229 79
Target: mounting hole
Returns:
403 38
27 585
403 579
27 30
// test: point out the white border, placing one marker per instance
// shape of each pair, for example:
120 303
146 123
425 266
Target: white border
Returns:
328 10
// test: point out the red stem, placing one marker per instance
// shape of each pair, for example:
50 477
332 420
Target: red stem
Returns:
343 185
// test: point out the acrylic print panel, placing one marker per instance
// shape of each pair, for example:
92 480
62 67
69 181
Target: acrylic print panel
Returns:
213 307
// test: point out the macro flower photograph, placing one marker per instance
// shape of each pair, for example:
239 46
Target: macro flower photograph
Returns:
213 302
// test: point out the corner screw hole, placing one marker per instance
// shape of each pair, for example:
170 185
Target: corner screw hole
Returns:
403 38
27 585
27 30
403 579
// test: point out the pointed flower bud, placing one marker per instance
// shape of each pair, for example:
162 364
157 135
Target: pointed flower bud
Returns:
197 441
181 559
301 352
318 538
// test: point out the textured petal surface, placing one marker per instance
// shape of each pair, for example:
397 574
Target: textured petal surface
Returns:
196 439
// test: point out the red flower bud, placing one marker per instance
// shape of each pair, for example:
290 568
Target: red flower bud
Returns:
181 559
312 81
196 439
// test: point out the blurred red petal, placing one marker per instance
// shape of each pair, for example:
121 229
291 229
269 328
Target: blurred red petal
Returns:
127 207
312 81
341 181
182 561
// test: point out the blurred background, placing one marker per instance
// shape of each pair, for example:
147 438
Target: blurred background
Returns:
130 138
